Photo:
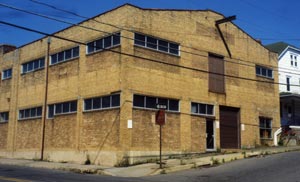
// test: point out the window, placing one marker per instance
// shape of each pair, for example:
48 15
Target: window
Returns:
33 65
288 86
6 74
203 109
157 44
29 113
64 55
4 117
216 74
265 128
151 102
62 108
264 72
99 103
103 43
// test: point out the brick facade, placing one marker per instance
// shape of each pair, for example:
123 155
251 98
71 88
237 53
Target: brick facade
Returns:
103 136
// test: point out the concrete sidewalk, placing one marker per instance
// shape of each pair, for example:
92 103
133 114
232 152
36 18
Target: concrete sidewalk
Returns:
171 165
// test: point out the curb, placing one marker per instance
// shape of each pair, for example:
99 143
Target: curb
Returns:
172 166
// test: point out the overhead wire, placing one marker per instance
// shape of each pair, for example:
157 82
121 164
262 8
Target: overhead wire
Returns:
139 57
122 28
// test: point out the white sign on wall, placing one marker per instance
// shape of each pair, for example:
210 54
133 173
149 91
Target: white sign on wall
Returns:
129 123
217 124
243 127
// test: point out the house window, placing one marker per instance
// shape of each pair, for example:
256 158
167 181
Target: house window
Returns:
202 109
100 103
151 102
62 108
33 65
295 58
64 55
265 128
288 86
103 43
264 72
4 117
216 74
156 44
35 112
7 74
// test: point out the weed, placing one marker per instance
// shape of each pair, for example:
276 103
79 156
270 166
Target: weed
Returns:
215 161
123 163
163 172
87 161
182 162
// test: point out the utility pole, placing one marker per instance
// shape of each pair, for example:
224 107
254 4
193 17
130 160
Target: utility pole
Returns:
46 98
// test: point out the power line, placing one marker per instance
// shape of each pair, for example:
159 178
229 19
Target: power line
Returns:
62 21
76 14
139 57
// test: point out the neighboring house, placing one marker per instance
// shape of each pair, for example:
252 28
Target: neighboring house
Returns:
289 79
102 94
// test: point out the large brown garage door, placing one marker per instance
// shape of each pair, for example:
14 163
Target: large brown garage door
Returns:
229 127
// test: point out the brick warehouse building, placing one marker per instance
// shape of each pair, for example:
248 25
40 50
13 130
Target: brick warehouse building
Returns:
101 103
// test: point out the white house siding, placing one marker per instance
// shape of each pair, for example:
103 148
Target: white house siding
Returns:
287 70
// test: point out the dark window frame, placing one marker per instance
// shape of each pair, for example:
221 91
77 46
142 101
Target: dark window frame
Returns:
260 70
115 40
27 113
63 53
288 83
169 49
4 117
40 62
135 105
6 74
65 108
264 128
101 99
199 105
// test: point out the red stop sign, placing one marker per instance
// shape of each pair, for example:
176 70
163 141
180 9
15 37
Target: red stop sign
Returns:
160 117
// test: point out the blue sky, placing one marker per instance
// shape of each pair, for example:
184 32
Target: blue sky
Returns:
268 20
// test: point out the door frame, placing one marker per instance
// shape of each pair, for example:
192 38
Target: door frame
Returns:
214 135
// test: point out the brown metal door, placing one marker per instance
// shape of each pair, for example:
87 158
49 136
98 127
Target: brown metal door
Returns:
216 81
229 127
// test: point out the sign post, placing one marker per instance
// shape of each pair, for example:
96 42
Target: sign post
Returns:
160 120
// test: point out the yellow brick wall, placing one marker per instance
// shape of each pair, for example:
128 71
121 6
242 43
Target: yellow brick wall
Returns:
28 134
198 134
100 130
3 138
106 72
145 133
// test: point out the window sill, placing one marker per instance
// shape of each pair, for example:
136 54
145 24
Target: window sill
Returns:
32 118
3 79
3 122
156 50
265 77
32 71
103 109
204 115
102 50
266 138
62 114
67 60
151 109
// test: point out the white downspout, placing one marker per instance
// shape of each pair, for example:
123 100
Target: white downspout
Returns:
277 132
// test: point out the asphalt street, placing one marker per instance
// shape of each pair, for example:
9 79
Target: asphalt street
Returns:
278 167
